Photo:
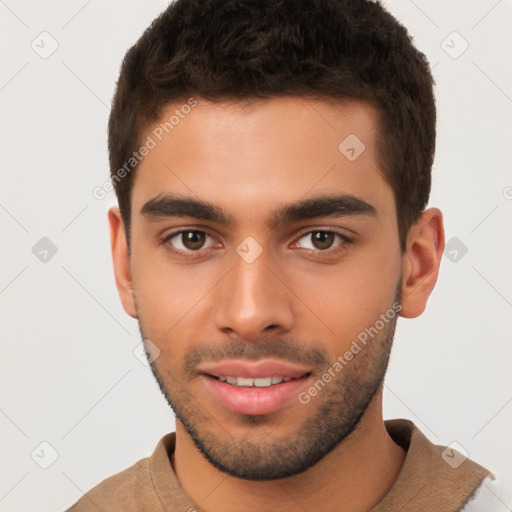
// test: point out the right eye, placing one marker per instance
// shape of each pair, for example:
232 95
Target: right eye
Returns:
185 242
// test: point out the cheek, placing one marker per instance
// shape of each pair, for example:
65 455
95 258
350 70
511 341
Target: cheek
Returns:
169 295
342 300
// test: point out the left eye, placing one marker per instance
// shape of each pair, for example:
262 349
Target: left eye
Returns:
323 240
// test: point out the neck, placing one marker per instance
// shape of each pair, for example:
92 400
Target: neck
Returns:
353 477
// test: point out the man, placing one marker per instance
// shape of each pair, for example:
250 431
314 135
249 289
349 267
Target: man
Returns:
272 162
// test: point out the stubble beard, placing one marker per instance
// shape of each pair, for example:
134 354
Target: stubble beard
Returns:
337 410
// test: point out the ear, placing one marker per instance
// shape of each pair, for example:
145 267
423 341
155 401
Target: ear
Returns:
121 260
421 261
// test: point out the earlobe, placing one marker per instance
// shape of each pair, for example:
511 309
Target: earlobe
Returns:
421 261
121 261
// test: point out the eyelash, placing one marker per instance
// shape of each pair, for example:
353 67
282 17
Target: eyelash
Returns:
191 254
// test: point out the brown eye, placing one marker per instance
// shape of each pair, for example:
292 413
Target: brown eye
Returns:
193 240
323 240
188 240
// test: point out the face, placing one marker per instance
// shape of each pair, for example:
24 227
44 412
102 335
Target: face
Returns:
265 267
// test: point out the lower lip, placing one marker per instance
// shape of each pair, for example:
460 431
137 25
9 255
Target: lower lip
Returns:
253 400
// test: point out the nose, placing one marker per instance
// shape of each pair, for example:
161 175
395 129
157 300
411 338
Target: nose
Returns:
252 301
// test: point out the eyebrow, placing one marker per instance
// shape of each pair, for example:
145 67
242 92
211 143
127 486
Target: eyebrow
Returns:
344 205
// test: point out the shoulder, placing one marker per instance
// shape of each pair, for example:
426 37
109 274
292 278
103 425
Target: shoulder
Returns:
433 477
137 488
129 488
492 495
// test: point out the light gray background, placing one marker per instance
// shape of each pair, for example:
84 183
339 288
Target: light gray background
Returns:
69 376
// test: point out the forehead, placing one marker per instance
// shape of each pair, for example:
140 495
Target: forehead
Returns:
263 153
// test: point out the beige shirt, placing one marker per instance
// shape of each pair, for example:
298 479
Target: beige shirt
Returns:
427 482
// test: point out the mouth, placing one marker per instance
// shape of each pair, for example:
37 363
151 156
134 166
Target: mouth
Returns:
258 382
254 387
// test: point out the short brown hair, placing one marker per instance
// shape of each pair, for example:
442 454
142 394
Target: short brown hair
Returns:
250 49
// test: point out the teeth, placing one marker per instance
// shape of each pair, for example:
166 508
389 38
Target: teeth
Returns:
262 382
242 381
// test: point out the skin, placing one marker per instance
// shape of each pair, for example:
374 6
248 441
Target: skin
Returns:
249 160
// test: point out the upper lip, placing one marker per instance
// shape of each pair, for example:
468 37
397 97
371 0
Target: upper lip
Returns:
254 369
